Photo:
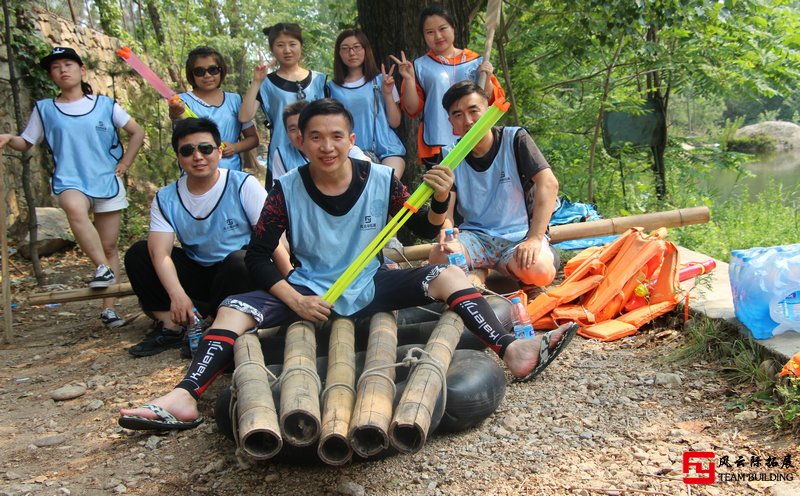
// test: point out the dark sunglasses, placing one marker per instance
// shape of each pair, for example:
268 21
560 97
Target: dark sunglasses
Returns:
188 150
201 71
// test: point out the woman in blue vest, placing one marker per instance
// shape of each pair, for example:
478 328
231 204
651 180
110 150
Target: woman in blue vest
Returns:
205 71
81 131
426 79
291 82
370 96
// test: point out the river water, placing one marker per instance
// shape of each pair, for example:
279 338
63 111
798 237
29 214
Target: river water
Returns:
782 168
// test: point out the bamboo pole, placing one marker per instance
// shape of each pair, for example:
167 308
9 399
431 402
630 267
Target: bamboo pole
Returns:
339 396
7 315
259 432
372 414
412 418
579 230
300 386
492 19
122 289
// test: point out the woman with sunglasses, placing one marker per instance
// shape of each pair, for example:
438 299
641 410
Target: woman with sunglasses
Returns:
370 96
205 71
291 82
427 79
81 130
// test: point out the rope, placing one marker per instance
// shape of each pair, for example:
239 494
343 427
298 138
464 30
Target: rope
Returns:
409 361
330 387
295 369
233 406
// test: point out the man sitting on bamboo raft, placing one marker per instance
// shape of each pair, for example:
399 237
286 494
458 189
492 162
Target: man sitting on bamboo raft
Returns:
506 196
331 209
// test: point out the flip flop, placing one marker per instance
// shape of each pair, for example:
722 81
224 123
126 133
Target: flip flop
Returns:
165 421
546 355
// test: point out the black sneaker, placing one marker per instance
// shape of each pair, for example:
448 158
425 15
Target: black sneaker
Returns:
103 277
158 340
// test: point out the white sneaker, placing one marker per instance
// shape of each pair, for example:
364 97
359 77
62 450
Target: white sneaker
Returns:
103 277
111 319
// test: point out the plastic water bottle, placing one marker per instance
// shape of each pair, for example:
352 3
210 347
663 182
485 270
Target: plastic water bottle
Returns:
195 332
523 329
457 256
765 283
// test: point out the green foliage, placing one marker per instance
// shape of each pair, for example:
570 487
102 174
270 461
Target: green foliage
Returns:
787 409
760 143
729 131
110 17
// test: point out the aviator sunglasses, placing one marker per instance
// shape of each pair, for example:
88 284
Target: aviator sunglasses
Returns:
204 148
201 71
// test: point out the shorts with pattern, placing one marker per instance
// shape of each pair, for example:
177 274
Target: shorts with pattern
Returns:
492 252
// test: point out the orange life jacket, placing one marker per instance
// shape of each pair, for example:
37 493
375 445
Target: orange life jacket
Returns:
599 281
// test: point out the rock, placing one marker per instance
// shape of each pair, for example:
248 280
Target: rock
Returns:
120 489
53 233
50 441
785 134
12 475
747 415
271 478
350 488
667 379
785 489
152 442
586 435
67 392
64 491
94 405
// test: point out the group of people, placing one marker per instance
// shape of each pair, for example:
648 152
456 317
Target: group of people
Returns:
251 257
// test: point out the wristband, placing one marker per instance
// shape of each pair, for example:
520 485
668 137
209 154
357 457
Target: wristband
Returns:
438 207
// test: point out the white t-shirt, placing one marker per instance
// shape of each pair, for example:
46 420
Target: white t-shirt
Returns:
34 132
253 196
360 82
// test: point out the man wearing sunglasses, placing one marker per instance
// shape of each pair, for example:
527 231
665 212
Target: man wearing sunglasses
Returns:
211 211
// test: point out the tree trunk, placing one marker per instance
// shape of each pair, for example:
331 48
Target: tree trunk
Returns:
27 187
654 92
158 29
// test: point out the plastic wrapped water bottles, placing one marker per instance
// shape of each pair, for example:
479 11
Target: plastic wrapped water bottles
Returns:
765 283
457 257
195 332
523 329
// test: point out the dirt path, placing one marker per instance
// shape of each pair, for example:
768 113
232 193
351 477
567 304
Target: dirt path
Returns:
595 420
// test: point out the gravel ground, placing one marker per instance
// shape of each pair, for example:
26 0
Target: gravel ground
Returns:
611 418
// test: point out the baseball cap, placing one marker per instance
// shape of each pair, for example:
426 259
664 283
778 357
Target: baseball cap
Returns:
59 53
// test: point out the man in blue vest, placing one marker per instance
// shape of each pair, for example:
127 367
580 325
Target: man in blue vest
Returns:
505 192
211 211
331 209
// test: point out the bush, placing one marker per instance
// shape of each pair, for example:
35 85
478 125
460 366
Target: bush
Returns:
760 143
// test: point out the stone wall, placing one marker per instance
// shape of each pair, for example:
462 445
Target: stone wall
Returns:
98 53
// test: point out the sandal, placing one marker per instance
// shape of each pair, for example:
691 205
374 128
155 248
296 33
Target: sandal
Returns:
546 355
165 421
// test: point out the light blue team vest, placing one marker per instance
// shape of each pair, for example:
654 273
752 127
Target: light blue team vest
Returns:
209 240
325 244
85 148
274 100
435 78
373 132
291 157
225 116
492 201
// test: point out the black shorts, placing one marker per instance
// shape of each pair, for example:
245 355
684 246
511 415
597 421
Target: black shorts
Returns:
394 289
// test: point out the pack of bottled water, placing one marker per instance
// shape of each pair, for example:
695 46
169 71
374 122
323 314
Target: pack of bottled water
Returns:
766 289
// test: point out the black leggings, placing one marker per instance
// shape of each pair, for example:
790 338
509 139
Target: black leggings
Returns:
206 286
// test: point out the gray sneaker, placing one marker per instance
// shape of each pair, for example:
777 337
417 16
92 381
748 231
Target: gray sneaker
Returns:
103 277
111 319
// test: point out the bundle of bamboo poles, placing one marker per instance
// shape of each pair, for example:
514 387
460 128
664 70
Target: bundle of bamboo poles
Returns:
346 416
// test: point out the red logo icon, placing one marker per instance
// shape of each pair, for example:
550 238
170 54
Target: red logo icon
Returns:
693 467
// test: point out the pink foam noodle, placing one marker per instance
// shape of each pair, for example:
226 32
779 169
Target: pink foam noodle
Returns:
151 77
